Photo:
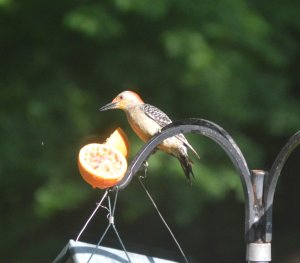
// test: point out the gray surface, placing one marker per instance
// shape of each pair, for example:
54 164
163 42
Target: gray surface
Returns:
79 252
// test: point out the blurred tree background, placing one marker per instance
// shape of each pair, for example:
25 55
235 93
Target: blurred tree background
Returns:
234 62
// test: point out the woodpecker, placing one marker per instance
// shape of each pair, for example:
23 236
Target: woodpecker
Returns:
147 120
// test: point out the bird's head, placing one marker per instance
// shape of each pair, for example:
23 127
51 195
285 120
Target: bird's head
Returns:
123 101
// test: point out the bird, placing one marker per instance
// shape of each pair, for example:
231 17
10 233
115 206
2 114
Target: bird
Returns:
146 121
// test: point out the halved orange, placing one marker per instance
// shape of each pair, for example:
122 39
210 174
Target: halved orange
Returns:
104 165
118 140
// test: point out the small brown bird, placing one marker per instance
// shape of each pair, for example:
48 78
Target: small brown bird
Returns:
147 120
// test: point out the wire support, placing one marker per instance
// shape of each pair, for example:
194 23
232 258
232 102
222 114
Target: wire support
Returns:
110 217
162 218
92 215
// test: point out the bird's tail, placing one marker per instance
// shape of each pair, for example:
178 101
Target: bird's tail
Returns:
186 164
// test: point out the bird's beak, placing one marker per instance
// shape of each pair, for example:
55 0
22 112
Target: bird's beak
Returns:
109 106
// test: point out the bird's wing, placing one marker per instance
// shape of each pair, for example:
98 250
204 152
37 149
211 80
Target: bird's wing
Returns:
162 119
157 115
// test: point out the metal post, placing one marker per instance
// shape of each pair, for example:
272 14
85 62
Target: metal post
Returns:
258 251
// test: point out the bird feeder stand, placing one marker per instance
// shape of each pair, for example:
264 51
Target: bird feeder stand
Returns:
258 186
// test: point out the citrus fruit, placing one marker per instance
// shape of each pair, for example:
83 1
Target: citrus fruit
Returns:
118 140
104 165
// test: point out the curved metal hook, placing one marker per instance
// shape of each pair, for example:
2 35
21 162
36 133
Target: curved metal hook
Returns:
274 174
217 134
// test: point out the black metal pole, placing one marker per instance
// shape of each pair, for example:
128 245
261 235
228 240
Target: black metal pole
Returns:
258 250
259 186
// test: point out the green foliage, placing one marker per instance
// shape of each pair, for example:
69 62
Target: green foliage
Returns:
233 62
49 198
93 21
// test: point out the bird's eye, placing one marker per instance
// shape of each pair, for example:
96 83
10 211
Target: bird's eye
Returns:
121 97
